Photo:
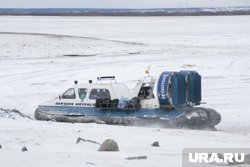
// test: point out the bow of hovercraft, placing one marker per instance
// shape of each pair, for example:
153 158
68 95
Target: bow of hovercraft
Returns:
169 101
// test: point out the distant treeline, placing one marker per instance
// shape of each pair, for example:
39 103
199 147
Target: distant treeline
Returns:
127 12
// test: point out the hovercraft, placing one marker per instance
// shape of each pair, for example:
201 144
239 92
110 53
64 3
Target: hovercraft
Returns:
169 101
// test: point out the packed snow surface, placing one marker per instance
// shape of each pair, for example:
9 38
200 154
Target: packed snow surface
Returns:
40 57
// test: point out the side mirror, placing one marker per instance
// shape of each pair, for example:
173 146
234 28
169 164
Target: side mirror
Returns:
60 97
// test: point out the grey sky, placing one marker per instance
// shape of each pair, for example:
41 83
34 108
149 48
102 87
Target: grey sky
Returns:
120 3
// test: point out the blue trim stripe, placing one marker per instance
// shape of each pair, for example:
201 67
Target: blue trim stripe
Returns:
91 111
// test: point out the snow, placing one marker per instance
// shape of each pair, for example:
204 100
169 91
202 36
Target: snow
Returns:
34 68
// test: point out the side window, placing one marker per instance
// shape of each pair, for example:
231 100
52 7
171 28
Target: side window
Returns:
99 94
69 94
82 93
104 94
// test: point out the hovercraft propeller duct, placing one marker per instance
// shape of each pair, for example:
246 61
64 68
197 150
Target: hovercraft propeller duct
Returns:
179 88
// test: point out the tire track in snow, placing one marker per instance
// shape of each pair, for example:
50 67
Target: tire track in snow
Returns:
71 36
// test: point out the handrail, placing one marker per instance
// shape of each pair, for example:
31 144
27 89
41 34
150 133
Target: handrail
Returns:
106 77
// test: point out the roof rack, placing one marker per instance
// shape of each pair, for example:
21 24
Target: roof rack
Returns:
106 77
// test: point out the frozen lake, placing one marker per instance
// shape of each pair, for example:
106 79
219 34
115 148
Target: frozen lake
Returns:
34 67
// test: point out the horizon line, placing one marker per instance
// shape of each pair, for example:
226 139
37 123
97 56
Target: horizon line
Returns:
124 8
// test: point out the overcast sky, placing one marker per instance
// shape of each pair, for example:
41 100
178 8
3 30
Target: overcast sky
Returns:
120 3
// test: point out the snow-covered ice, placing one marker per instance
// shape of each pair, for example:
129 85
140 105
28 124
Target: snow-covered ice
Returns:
34 68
